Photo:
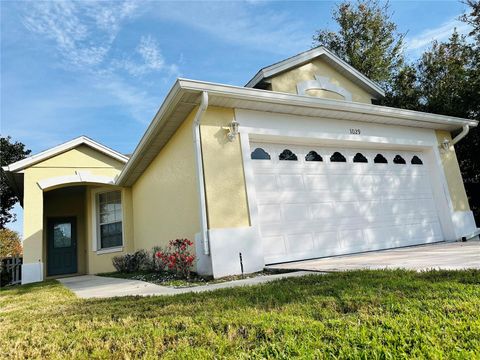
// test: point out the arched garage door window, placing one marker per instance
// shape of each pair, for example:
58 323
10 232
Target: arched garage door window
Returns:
260 154
287 155
337 157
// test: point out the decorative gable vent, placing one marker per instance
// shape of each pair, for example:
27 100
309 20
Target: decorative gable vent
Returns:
322 83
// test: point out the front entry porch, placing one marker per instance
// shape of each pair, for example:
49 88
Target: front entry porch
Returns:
64 235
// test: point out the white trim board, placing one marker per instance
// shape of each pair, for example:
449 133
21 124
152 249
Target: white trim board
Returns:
78 178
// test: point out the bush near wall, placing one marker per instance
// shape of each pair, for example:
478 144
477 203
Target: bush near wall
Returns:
177 258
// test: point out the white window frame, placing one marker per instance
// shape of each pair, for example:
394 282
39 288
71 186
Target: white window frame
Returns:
96 240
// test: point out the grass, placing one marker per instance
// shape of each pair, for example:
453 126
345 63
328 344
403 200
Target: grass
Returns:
170 280
359 314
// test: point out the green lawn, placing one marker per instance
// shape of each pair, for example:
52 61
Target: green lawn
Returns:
361 314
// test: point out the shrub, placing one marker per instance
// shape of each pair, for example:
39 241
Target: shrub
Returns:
177 258
127 263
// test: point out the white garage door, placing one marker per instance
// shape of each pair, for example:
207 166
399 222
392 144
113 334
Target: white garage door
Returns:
314 202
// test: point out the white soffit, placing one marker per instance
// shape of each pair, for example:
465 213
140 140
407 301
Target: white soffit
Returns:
333 60
44 155
185 96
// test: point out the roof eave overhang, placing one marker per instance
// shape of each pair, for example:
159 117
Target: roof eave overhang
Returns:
185 96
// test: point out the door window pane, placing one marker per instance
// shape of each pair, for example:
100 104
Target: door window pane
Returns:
62 235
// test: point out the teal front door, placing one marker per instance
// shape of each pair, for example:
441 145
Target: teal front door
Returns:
61 246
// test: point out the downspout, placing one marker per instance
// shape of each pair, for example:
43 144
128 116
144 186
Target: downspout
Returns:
199 166
465 130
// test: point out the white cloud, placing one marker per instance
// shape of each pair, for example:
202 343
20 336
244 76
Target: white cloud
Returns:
84 35
416 44
83 32
148 58
241 24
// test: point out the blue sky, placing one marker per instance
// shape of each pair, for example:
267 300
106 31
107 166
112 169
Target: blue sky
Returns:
102 69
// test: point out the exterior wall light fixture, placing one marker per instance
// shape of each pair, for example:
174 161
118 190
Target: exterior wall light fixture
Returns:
232 130
446 144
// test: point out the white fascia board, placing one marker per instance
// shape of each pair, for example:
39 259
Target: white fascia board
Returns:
168 104
44 155
305 57
259 95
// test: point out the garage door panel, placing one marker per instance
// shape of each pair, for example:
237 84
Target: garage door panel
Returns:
321 211
295 212
264 182
350 241
269 213
290 181
311 209
316 182
274 246
300 243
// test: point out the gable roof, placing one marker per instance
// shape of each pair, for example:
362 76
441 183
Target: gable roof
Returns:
306 56
185 95
47 154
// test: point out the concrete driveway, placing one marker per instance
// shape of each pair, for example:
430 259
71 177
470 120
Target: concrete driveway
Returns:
448 256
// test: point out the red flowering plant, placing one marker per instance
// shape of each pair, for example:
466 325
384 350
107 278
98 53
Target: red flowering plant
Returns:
177 258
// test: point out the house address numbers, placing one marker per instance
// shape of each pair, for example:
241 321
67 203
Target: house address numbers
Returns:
355 131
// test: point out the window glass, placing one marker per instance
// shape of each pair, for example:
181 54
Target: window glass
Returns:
110 219
287 155
337 157
62 235
313 156
260 154
399 160
360 158
416 160
380 159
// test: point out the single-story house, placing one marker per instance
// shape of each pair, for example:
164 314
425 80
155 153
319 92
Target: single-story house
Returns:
297 164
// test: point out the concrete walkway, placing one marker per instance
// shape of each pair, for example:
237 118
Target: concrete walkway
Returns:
91 286
444 255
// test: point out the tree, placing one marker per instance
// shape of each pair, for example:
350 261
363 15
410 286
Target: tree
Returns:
367 39
473 19
404 91
445 72
10 243
10 152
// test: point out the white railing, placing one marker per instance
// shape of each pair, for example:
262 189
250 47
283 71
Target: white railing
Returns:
11 270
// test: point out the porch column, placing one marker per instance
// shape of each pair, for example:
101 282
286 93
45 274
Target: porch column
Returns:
33 247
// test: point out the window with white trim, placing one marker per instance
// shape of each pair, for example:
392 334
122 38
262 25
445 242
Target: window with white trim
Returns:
109 217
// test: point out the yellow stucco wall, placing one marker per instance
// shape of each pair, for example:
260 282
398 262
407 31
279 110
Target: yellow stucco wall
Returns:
165 198
287 81
453 174
226 197
81 158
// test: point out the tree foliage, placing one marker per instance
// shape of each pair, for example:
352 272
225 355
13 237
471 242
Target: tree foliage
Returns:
367 39
10 243
10 152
